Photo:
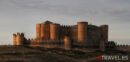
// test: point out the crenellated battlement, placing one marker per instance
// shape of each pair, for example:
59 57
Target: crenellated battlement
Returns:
66 26
18 34
123 46
18 38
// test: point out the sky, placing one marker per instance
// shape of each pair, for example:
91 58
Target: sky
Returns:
22 15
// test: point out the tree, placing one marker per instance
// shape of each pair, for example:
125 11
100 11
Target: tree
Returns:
111 45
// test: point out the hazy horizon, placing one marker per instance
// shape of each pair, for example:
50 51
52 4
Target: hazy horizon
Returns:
22 15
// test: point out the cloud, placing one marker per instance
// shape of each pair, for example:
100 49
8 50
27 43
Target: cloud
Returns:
15 13
117 9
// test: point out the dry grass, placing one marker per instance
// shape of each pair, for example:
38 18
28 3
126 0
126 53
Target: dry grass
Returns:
27 54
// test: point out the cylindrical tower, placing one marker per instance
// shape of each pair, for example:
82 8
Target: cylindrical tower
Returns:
104 33
104 37
19 39
67 43
42 31
47 29
82 32
54 31
14 39
38 31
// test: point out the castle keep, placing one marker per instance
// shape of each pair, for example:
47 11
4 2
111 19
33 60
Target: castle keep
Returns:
49 34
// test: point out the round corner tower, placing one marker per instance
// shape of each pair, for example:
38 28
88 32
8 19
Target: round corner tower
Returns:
38 31
54 31
42 31
82 32
104 33
104 36
19 39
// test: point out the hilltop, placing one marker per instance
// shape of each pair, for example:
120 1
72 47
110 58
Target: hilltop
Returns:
38 54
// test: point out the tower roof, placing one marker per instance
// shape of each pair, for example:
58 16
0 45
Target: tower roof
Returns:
47 21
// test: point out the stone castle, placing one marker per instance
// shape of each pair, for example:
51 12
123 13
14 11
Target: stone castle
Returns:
54 35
